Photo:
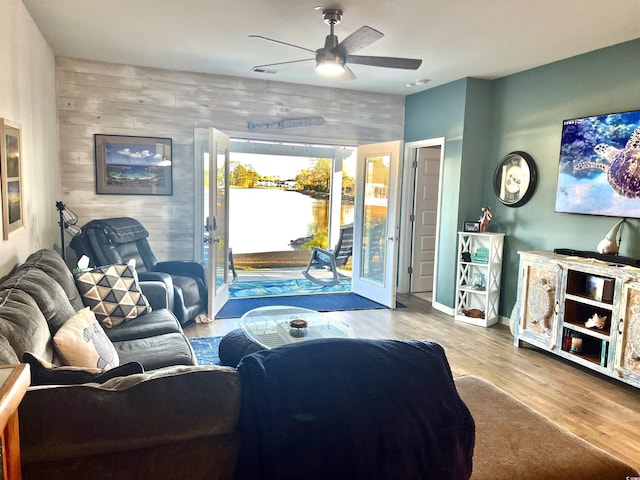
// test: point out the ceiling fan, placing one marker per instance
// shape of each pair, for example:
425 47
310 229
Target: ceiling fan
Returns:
332 59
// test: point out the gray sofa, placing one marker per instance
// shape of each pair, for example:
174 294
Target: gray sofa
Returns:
154 424
40 295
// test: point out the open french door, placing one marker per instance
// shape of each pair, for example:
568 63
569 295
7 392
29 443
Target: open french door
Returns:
217 221
376 225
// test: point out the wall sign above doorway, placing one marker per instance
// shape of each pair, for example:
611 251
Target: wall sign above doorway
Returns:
291 123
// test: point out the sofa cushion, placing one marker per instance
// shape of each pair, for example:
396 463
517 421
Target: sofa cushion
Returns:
158 351
45 373
7 353
23 327
51 263
157 322
113 293
49 295
81 342
129 413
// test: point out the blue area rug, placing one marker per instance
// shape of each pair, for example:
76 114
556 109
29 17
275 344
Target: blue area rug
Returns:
206 350
330 302
301 286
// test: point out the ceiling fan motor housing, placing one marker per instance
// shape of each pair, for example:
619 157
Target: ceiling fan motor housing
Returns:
325 54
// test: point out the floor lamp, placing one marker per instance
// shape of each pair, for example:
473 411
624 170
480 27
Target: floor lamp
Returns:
67 222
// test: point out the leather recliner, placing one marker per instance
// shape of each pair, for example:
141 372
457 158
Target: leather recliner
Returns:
117 240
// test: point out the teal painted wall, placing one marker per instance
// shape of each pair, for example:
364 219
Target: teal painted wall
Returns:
439 112
525 112
476 149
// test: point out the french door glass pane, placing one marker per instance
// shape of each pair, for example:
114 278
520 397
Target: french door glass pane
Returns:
221 200
376 204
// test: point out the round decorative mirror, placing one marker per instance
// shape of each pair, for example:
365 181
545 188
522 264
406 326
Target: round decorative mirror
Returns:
515 179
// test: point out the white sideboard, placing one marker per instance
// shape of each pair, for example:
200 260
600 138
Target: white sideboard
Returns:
581 309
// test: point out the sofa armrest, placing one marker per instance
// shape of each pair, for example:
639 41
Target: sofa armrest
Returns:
156 293
125 413
166 299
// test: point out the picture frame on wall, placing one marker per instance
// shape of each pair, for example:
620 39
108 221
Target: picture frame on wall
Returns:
128 165
471 226
11 178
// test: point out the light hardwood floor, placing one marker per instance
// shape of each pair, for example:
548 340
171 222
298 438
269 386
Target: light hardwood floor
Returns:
601 410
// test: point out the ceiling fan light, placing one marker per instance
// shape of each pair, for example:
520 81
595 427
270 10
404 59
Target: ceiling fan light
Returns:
330 68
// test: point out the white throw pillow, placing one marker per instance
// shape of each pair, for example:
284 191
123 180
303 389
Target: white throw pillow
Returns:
81 342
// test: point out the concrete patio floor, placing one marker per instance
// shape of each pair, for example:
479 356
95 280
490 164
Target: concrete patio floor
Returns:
282 273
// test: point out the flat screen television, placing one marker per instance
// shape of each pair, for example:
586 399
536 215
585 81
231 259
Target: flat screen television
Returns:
599 172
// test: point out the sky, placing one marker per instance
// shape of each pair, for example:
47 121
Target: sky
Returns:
284 167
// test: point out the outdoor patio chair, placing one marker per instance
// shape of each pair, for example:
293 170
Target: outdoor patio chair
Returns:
232 269
332 259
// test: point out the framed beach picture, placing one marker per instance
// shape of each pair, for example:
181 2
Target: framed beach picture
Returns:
471 226
595 287
11 174
133 165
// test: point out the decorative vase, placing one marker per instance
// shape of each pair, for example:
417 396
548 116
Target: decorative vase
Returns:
478 281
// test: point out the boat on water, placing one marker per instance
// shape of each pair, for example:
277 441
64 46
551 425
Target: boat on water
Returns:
299 242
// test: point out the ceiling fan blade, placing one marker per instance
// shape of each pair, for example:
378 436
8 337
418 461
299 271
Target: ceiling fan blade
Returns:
259 67
388 62
361 38
348 74
283 43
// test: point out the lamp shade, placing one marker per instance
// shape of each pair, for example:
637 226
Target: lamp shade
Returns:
609 244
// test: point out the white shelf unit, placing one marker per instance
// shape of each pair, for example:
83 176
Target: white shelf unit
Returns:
475 269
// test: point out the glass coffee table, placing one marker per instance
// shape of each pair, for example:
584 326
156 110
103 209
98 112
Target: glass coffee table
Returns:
270 327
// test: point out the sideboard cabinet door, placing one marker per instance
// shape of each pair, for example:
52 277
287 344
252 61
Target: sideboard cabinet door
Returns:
538 304
627 354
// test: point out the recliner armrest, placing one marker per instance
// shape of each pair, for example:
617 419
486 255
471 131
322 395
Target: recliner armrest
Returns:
156 293
187 268
125 413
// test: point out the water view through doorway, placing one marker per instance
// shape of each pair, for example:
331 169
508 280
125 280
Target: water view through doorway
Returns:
279 208
268 220
267 229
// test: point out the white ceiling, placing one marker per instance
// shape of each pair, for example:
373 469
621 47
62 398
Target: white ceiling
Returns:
454 38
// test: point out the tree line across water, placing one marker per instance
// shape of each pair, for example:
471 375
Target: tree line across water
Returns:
316 178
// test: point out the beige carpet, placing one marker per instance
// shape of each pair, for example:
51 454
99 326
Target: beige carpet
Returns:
515 442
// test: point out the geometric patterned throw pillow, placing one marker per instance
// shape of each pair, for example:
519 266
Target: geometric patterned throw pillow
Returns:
113 294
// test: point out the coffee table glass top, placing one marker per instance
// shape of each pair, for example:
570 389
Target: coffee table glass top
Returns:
269 326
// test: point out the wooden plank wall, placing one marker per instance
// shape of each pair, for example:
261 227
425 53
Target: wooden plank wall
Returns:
95 97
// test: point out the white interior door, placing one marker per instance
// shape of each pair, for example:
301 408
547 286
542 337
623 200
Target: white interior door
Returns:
217 224
376 225
425 222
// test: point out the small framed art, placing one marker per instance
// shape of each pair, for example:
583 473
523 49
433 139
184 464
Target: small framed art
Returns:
471 226
133 165
595 287
11 174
